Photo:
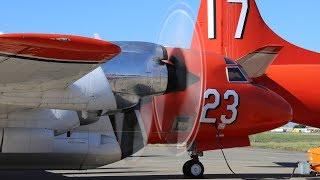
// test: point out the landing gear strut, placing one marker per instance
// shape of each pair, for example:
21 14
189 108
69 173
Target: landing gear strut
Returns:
193 168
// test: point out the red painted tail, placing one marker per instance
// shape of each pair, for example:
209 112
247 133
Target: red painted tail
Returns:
234 28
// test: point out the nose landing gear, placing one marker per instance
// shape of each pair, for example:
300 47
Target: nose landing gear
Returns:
193 168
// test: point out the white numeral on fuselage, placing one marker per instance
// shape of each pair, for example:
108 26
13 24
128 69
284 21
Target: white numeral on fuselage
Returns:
211 19
216 104
232 107
210 106
211 4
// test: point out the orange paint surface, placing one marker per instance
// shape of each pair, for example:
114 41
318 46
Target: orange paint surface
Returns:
255 111
293 74
259 110
314 158
58 47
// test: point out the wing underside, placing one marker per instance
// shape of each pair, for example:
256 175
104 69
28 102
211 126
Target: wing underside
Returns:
44 61
41 62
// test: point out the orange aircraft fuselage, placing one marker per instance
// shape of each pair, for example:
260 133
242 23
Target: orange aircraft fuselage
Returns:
293 74
212 106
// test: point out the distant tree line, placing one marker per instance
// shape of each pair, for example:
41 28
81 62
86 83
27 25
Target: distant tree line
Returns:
300 126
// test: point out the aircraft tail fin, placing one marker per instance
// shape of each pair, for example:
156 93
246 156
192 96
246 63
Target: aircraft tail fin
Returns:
235 28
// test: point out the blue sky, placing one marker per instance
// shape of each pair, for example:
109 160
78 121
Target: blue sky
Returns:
295 20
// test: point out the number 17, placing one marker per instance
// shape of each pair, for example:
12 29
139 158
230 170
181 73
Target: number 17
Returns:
211 4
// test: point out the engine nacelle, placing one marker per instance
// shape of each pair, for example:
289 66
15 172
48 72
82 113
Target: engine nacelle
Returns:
39 148
137 72
58 120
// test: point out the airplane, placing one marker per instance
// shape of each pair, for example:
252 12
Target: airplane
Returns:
71 102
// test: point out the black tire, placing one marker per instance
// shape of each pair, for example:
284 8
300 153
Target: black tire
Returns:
193 169
313 173
186 168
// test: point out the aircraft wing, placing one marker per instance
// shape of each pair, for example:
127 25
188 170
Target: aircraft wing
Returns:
49 61
41 62
257 62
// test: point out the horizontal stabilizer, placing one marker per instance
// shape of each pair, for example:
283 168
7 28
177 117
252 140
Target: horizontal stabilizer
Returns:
256 63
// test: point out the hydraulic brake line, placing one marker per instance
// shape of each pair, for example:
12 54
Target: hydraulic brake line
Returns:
227 162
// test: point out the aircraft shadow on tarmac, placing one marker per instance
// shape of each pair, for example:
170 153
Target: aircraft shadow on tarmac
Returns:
103 175
35 175
280 165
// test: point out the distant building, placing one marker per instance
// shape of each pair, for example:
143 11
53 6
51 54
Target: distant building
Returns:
313 130
278 130
301 130
290 127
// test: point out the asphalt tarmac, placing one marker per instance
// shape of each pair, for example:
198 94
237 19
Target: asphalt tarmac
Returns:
165 163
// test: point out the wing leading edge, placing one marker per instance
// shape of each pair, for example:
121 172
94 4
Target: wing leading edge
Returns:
45 61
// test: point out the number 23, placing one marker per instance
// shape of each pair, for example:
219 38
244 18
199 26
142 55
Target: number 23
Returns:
213 106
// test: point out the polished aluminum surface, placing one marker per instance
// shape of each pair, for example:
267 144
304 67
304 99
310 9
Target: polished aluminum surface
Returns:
137 72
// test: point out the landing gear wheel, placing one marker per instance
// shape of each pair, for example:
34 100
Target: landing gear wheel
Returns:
185 168
193 169
313 173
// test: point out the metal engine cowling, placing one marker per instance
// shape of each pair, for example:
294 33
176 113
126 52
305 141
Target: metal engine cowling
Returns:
139 71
